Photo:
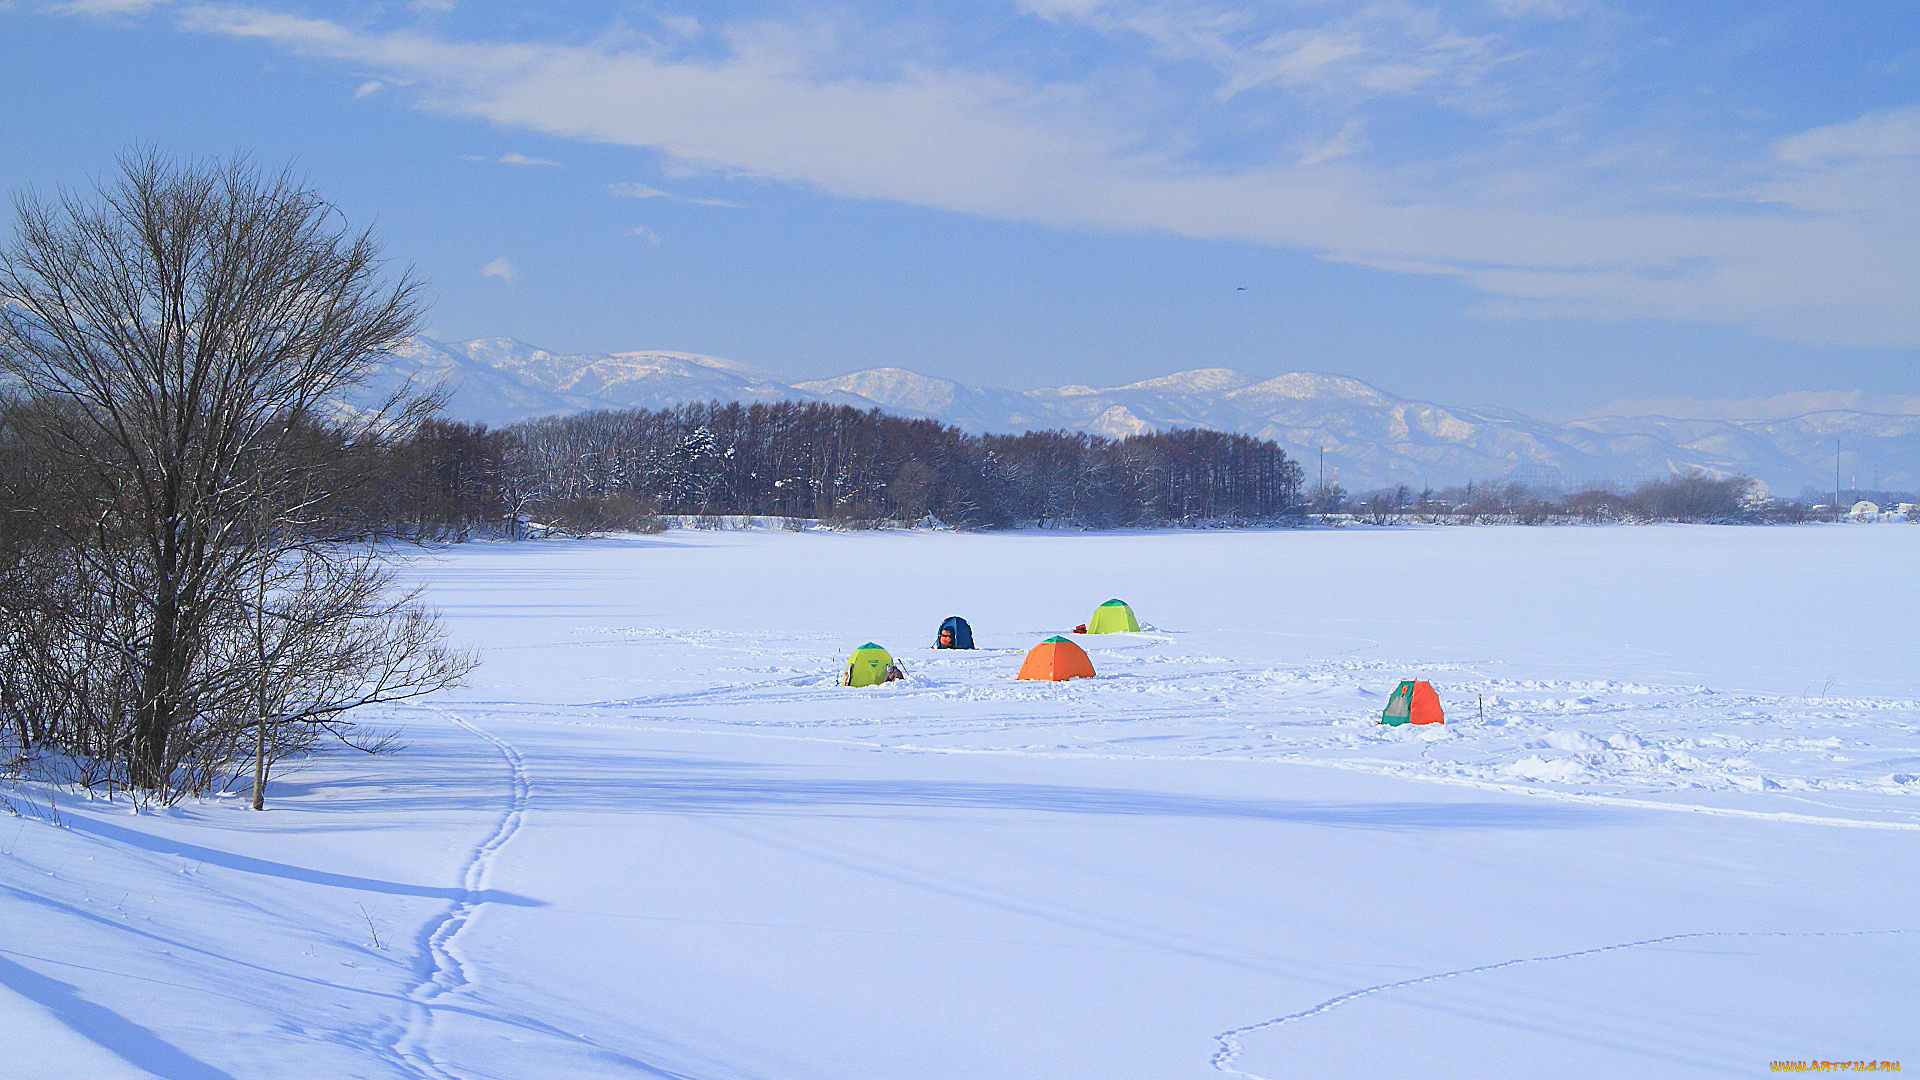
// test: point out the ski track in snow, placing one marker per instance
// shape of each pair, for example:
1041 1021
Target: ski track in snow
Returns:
438 968
1230 1046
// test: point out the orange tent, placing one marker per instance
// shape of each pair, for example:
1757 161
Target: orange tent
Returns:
1057 658
1413 702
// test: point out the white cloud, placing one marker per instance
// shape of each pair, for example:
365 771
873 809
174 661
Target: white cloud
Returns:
637 191
371 86
500 268
718 202
1583 242
646 234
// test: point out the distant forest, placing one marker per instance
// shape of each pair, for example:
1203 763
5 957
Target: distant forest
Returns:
847 468
831 463
851 468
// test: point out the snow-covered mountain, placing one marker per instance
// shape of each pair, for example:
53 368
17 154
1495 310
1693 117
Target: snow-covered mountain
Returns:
1370 438
501 381
477 392
908 392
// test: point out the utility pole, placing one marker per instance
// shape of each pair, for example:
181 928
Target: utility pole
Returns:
1836 479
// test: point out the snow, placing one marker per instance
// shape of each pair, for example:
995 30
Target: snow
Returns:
653 838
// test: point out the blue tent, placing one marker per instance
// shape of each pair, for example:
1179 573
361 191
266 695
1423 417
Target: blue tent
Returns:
962 634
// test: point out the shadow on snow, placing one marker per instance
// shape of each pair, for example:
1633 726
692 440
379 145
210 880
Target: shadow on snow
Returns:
247 864
675 785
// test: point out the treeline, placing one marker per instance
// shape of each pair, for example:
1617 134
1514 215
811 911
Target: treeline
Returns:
620 469
848 467
1692 497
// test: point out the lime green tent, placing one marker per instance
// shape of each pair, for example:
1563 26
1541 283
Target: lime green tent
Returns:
869 665
1112 617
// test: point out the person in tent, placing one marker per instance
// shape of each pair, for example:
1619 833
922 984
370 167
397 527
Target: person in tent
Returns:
954 634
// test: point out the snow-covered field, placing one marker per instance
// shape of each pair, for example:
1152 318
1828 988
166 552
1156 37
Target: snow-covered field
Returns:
653 838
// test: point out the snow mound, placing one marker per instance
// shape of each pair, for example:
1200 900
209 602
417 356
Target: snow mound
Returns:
1555 770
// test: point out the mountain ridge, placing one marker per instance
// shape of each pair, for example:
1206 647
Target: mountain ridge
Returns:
1371 438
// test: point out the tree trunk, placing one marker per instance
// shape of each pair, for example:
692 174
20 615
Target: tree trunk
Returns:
154 720
260 765
147 764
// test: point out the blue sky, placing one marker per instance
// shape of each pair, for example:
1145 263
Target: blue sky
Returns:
1547 205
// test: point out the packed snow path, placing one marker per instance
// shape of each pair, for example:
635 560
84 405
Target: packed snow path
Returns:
654 839
439 966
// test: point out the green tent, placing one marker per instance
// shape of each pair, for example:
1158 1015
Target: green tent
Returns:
1112 617
869 665
1413 702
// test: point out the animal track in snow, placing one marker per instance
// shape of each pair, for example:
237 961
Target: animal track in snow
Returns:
1229 1041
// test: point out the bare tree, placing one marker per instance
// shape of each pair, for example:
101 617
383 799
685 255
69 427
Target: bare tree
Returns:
181 339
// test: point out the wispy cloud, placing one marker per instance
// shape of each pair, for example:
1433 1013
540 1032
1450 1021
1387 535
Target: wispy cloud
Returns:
1550 221
1545 9
1869 164
511 158
1776 407
500 268
646 234
1350 53
1346 142
104 7
637 191
367 89
1890 134
644 191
